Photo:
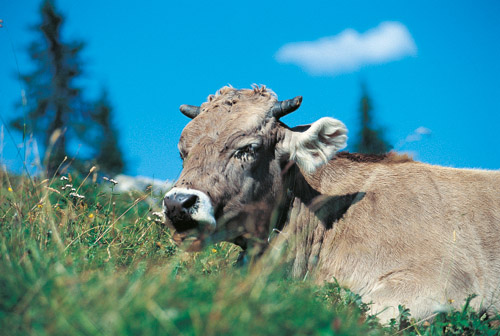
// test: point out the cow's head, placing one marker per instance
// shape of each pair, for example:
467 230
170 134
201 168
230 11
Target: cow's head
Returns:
234 152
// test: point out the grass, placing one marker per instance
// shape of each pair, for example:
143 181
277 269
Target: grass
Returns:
90 261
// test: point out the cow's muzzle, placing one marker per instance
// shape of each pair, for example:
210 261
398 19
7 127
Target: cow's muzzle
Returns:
189 209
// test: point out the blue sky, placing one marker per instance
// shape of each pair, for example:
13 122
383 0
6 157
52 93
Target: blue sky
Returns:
426 64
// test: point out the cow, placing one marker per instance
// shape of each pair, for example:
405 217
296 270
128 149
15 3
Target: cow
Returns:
395 231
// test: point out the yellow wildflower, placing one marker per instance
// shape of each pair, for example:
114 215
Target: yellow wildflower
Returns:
40 206
214 250
91 215
10 189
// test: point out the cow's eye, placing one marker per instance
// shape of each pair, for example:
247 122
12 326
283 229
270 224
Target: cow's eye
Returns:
183 155
246 152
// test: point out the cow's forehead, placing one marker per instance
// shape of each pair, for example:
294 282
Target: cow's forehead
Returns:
228 112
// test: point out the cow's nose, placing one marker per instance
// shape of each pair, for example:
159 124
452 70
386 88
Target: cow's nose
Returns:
186 200
178 208
180 201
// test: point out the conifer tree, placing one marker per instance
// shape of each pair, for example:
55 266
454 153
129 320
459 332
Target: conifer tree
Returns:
108 155
370 140
56 113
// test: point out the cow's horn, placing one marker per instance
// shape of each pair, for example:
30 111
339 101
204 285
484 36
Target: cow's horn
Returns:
282 108
190 111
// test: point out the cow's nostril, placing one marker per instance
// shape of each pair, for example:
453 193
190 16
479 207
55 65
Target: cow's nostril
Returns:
189 201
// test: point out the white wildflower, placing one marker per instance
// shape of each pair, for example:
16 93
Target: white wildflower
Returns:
74 194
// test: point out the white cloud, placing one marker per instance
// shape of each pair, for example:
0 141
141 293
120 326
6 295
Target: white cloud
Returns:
423 130
350 50
417 134
414 136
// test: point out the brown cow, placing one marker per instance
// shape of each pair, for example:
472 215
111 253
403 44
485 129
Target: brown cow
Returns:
393 230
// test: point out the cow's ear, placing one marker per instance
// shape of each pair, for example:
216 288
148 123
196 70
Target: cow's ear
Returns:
316 145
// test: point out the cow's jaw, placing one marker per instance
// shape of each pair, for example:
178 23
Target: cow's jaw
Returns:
200 211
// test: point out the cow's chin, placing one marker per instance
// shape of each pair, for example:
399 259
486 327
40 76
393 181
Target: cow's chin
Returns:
194 238
190 241
249 221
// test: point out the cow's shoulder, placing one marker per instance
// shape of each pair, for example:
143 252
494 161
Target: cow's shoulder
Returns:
388 158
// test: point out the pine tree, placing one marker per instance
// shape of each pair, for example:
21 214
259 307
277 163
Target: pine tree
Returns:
51 93
370 141
56 114
108 155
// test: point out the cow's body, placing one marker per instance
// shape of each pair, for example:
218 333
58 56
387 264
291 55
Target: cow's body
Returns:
409 233
393 230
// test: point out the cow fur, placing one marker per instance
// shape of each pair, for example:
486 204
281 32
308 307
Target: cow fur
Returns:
414 234
394 230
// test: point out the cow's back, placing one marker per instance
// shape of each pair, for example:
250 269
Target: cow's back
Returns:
420 235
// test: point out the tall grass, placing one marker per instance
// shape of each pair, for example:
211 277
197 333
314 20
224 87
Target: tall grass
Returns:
76 258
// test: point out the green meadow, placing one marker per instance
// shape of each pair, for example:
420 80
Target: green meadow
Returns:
78 258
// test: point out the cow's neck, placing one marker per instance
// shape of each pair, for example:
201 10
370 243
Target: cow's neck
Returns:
304 214
309 215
